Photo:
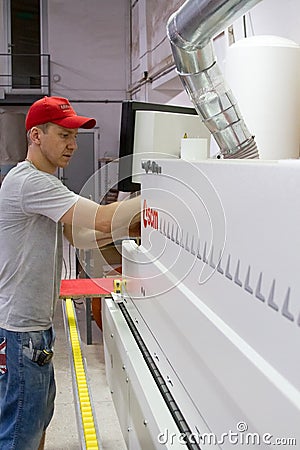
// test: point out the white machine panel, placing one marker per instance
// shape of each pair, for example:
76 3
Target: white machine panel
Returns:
141 409
215 285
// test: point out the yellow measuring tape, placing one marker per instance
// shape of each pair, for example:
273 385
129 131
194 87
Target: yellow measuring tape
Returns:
87 417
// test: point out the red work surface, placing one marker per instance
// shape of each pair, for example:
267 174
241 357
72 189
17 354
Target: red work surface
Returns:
86 287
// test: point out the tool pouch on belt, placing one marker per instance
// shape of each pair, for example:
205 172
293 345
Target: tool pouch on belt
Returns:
37 347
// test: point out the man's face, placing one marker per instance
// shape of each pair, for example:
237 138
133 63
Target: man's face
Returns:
57 145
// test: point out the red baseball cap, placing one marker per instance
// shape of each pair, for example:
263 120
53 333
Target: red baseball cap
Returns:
56 110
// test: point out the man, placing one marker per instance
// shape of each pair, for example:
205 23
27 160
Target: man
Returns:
33 206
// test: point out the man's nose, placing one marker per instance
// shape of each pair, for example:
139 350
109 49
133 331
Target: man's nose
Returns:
73 143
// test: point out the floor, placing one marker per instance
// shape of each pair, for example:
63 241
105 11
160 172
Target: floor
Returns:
62 433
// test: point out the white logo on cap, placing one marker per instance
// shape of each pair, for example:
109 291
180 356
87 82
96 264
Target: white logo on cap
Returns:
64 106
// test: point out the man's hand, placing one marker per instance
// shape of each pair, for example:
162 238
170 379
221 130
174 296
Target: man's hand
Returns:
135 226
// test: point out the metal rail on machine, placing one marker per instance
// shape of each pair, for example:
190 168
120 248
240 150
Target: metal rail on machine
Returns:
85 417
179 419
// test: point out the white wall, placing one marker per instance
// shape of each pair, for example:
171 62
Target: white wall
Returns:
275 17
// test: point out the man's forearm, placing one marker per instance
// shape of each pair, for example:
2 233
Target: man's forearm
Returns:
119 216
105 218
85 239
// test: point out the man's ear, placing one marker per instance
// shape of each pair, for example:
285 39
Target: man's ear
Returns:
35 135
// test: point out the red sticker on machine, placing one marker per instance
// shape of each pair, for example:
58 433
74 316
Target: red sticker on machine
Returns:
3 368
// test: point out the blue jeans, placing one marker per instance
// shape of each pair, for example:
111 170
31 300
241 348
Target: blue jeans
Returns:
27 390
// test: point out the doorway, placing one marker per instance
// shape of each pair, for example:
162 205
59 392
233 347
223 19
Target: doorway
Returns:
25 44
26 41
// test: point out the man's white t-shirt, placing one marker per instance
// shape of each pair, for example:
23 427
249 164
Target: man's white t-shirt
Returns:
31 204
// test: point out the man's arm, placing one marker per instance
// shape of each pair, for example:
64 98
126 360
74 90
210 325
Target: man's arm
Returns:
83 238
89 225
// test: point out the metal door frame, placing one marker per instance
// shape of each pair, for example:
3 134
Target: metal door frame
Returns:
96 134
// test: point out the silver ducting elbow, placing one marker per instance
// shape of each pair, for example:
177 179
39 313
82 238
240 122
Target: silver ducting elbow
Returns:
190 31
